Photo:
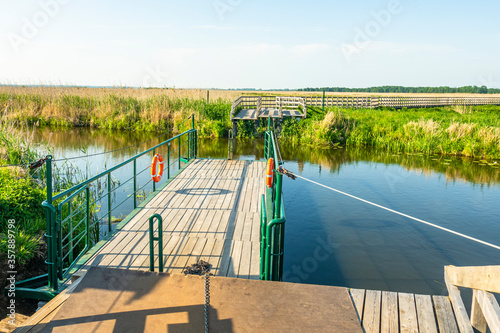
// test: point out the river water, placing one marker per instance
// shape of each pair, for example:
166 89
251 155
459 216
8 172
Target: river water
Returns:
332 239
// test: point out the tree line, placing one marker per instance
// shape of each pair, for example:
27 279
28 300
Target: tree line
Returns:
401 89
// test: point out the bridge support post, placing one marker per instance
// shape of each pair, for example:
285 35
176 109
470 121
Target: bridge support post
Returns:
235 128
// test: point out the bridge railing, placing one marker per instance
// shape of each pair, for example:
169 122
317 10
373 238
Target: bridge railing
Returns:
76 217
484 282
244 102
272 219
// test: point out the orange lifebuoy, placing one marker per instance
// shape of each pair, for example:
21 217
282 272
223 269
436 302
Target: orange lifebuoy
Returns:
156 176
269 172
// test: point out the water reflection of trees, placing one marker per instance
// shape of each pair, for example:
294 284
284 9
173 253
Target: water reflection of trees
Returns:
454 169
100 140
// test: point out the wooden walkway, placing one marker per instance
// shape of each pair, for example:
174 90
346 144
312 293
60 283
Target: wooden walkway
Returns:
383 311
253 114
210 212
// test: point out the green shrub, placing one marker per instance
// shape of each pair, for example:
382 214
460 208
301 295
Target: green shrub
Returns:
20 198
25 246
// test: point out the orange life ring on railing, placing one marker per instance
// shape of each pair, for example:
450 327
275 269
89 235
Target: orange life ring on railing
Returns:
269 172
156 176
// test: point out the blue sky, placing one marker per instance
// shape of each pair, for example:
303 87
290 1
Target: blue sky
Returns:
250 44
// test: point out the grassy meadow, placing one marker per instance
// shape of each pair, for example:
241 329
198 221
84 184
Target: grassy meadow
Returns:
463 131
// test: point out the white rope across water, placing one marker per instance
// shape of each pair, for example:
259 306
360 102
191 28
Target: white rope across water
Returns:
402 214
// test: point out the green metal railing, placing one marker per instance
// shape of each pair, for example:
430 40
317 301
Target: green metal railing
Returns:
73 226
272 218
159 239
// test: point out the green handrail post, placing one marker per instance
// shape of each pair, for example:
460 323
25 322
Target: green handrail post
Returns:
135 183
154 183
87 217
188 144
195 143
59 245
109 202
277 202
168 160
208 96
50 235
70 238
193 139
179 153
159 239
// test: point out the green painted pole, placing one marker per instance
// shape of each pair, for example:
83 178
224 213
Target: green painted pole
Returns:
135 183
192 138
208 96
277 202
50 234
278 231
159 239
154 183
109 202
188 143
168 160
179 153
59 245
87 217
70 237
195 144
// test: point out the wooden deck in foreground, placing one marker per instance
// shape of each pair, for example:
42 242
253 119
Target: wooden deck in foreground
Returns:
383 311
210 212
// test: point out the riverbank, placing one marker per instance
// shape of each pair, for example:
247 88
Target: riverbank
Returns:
470 131
459 131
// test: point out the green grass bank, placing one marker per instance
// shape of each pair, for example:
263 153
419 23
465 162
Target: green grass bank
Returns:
461 131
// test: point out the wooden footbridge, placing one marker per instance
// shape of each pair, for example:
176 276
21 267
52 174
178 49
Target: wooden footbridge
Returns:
219 211
257 107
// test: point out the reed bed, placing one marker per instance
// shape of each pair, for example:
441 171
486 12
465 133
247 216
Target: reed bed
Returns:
467 131
430 131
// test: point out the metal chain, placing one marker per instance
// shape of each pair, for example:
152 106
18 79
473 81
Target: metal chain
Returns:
207 299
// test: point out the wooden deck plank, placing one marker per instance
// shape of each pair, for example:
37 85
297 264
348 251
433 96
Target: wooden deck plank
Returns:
238 226
255 261
358 299
207 250
425 314
234 264
371 314
255 236
206 224
245 261
407 313
222 227
247 227
182 255
216 255
390 320
444 315
195 254
225 258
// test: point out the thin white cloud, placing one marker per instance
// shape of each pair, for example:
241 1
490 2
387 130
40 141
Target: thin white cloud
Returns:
309 49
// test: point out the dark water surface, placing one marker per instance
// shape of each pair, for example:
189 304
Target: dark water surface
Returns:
332 239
